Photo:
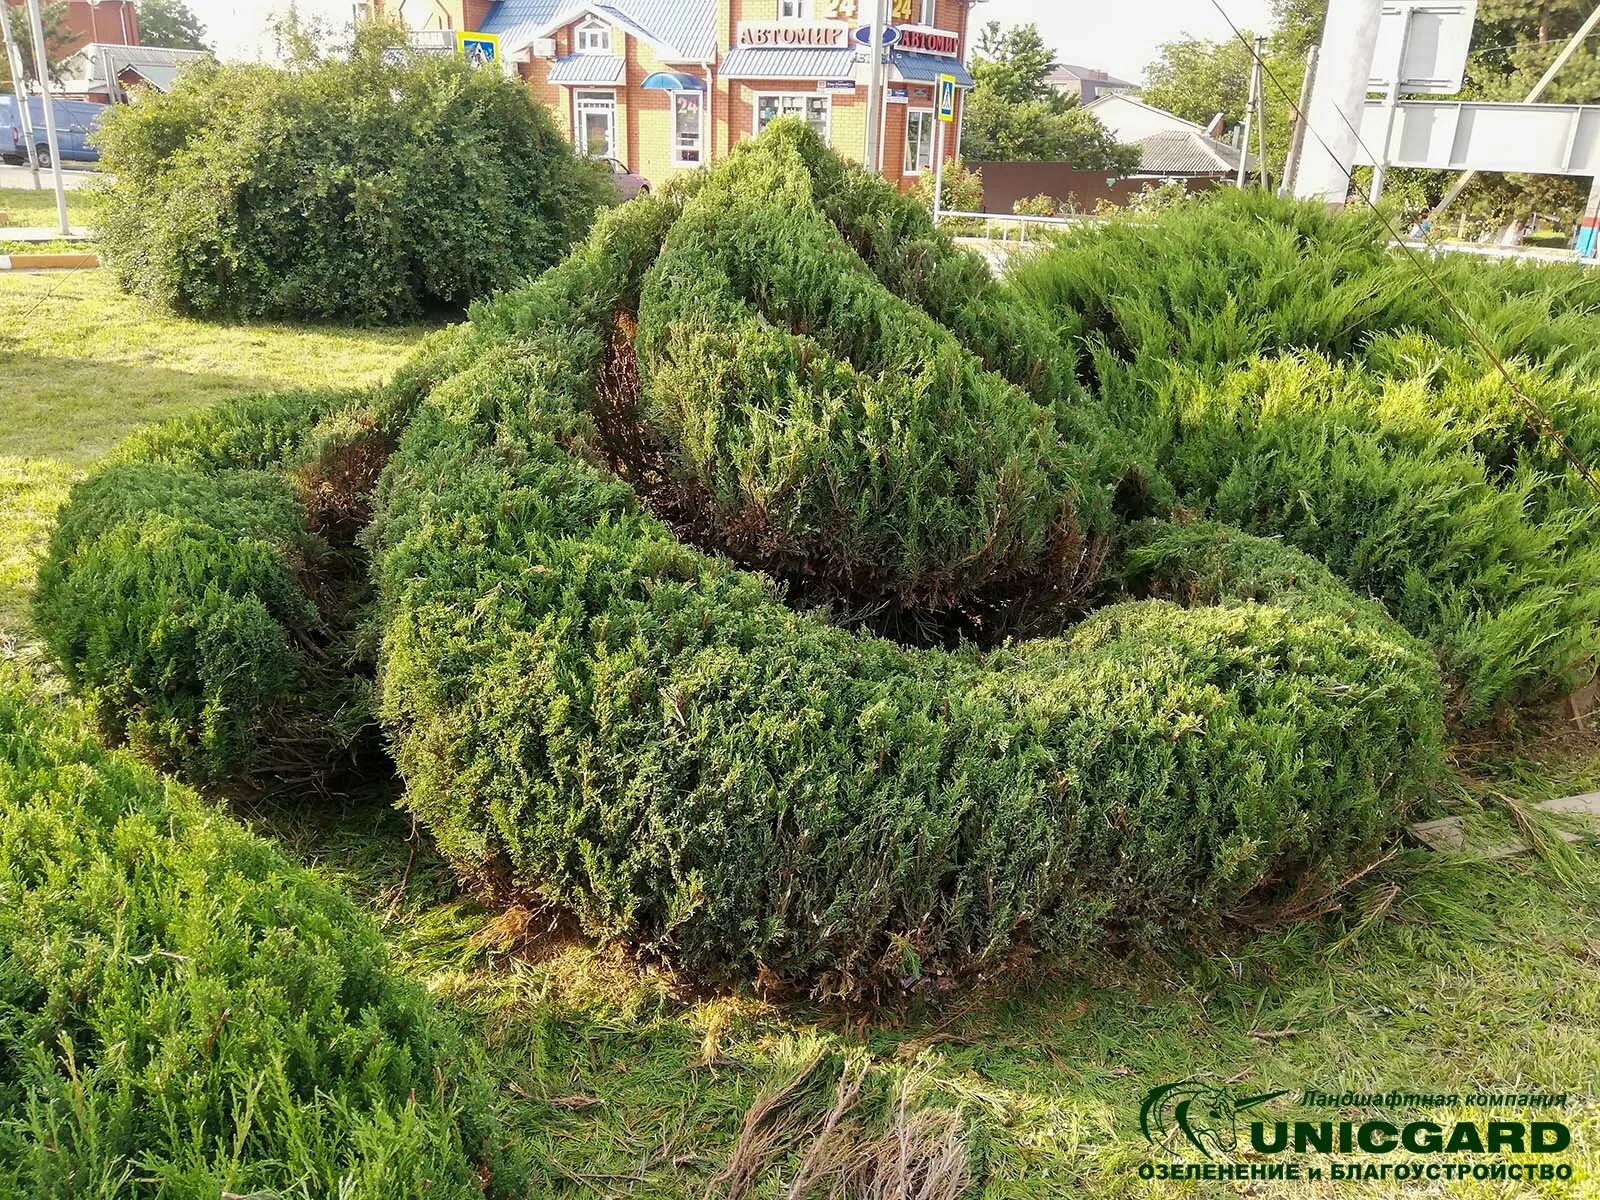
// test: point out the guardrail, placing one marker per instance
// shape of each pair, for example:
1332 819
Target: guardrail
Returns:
1529 254
1005 222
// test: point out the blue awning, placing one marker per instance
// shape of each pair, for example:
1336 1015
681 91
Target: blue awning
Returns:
586 68
771 62
673 81
926 68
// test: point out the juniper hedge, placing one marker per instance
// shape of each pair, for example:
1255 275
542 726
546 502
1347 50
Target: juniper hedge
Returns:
185 1013
609 563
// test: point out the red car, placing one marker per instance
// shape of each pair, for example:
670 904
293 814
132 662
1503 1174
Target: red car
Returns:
629 183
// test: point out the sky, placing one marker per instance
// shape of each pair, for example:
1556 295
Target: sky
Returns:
238 28
1120 36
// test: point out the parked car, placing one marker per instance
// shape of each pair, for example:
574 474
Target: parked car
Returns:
76 121
629 183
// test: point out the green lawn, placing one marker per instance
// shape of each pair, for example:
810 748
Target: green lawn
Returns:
81 365
1443 974
26 207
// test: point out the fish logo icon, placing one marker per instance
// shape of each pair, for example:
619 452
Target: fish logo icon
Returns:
1206 1115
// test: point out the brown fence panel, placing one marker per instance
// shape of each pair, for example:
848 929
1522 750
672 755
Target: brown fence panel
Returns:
1004 183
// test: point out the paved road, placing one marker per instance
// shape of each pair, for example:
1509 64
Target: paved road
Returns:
21 177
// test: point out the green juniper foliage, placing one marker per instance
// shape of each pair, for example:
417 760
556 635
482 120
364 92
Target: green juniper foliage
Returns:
1279 369
1359 472
834 425
185 1013
1313 518
187 598
584 705
895 236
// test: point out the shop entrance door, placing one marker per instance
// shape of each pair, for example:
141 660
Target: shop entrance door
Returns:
597 124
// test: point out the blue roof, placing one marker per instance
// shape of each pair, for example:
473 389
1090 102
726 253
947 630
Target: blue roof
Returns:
586 68
772 62
926 68
689 26
686 29
517 22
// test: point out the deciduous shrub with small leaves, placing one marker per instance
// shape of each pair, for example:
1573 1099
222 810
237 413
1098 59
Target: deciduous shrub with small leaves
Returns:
372 186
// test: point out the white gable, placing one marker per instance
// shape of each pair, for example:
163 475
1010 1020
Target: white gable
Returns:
1131 120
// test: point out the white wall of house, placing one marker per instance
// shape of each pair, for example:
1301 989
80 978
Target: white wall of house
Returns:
1131 120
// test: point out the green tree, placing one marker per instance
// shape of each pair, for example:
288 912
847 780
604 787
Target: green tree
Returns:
1196 79
171 23
1514 41
1015 62
1014 115
1297 25
53 19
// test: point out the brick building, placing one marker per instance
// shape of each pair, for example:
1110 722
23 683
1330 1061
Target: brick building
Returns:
99 22
665 85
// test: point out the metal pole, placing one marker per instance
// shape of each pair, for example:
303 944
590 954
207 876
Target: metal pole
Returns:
1567 51
1591 222
24 118
938 168
874 97
1261 115
1249 116
42 64
1291 165
1344 68
1391 108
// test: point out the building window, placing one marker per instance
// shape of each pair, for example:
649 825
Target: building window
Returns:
919 140
794 10
686 116
595 123
593 37
927 12
814 110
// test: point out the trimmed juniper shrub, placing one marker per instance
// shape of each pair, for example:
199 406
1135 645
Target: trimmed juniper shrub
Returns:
1391 448
895 235
1214 283
203 590
1372 478
834 428
585 707
185 1013
172 600
651 738
256 433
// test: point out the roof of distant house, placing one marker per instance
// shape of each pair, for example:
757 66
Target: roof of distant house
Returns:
1183 152
682 30
156 65
1070 72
